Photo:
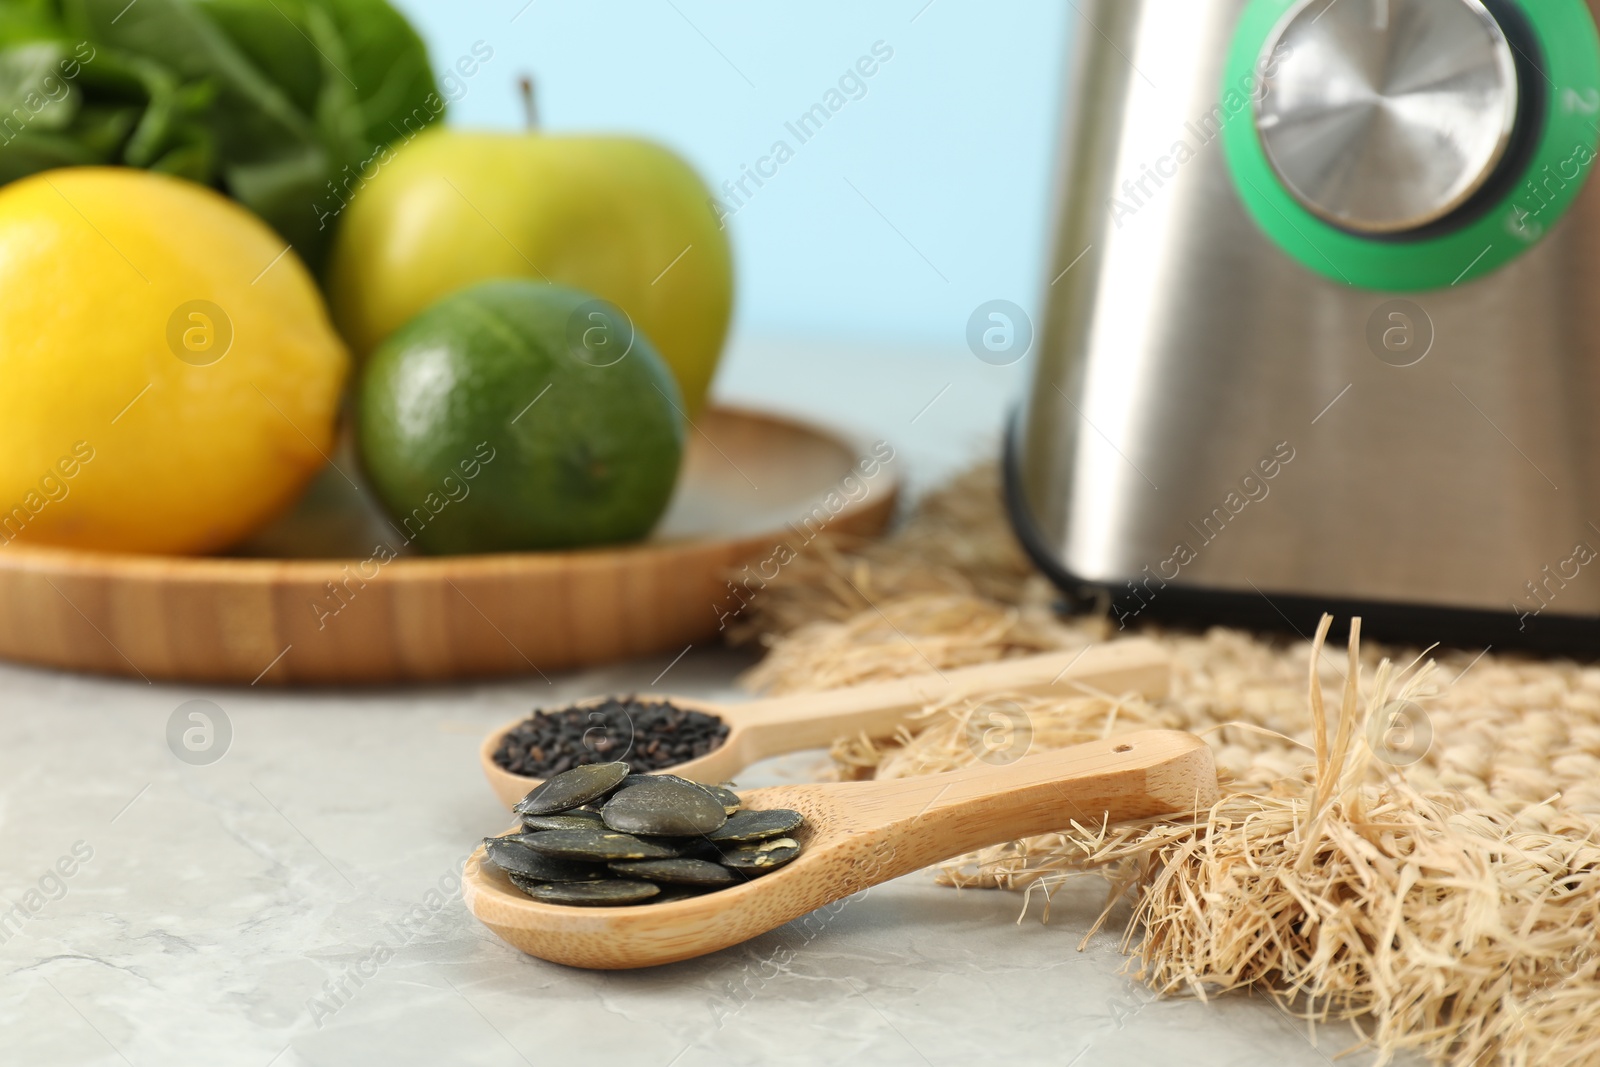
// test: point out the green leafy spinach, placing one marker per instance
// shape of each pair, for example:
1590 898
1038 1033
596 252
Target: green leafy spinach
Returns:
274 102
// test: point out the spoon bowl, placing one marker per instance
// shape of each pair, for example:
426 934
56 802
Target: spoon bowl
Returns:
857 835
759 729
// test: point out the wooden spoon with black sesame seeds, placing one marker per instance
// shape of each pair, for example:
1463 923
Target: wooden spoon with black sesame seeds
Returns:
856 835
775 726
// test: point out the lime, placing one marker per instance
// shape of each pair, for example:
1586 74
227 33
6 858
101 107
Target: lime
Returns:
519 415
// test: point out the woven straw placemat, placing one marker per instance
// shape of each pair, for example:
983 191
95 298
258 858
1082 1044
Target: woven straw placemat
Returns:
1405 840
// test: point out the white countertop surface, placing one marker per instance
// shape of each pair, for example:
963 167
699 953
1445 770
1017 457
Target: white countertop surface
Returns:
283 905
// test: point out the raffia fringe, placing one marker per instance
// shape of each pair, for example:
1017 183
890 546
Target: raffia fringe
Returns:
1449 906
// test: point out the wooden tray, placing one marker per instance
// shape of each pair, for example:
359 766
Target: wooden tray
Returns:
750 482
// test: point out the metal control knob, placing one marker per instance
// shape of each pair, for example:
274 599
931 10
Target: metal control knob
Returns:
1382 116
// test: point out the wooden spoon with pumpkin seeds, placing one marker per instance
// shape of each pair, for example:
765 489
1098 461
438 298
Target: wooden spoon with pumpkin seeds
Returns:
775 726
858 834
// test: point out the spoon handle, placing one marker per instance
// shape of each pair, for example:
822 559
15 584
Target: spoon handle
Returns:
895 827
810 720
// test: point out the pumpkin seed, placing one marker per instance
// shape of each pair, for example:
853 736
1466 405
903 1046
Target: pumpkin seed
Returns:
763 856
698 848
571 788
596 894
758 825
664 806
512 855
527 884
730 799
564 820
600 846
579 845
523 882
677 871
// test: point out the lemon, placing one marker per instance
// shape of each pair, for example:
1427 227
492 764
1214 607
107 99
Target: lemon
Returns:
171 376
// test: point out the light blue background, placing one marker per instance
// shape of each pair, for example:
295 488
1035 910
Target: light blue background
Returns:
952 146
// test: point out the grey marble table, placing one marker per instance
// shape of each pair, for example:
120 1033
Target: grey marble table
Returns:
295 901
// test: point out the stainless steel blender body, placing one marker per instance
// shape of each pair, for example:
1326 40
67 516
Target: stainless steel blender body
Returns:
1217 431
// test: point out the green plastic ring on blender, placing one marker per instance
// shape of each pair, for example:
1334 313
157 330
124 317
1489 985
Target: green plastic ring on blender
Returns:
1557 51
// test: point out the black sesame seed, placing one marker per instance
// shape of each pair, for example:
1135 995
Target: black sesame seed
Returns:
648 735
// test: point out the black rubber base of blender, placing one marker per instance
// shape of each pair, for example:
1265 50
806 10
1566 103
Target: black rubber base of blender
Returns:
1387 621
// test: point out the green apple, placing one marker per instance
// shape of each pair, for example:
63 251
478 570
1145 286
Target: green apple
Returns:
622 218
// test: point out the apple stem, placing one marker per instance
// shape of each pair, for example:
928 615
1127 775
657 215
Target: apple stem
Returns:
530 107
